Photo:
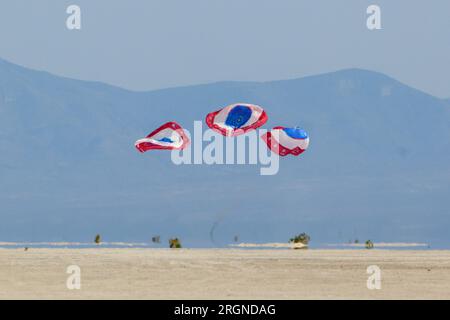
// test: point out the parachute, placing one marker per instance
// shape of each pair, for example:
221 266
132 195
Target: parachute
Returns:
285 141
169 136
236 119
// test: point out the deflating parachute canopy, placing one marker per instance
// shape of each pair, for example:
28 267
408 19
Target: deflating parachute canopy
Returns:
236 119
284 141
169 136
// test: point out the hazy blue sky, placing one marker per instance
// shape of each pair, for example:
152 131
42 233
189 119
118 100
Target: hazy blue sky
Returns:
146 44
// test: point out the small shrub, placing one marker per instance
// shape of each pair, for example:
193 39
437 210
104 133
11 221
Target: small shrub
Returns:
301 238
156 239
98 239
369 244
174 243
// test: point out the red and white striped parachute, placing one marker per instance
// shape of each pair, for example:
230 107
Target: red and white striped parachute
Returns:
236 119
284 141
170 136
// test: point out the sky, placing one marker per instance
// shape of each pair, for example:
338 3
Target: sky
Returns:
149 44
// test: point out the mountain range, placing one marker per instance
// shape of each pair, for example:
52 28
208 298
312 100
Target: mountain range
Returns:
377 167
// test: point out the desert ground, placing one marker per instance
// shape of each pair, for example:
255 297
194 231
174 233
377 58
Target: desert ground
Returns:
223 274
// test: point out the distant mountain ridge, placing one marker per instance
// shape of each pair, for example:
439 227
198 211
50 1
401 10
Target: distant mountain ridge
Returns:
377 167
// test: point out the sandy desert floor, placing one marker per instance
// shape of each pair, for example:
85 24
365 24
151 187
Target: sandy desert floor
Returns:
223 274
